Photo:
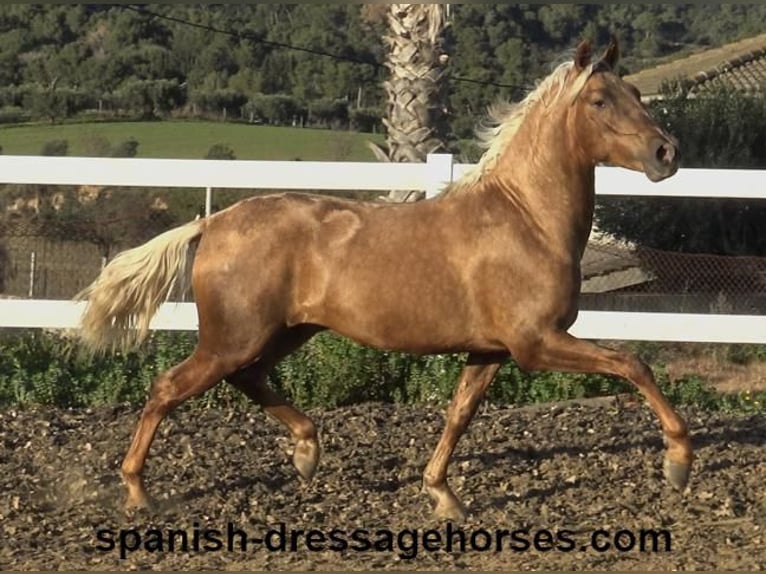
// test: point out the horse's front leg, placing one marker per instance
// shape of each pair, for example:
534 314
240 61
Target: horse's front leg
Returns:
557 351
477 375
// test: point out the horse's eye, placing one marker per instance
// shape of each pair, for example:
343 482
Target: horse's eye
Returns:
600 104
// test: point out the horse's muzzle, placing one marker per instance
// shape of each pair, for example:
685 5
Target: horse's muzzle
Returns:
664 161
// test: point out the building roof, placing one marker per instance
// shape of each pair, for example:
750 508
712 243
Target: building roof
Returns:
741 65
610 267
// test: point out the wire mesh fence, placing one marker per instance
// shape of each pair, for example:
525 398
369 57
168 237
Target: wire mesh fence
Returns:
55 240
37 267
635 278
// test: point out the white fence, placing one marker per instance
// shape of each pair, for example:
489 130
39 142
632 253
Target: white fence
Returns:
335 176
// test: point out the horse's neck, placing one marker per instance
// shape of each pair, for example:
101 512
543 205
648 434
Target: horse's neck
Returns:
555 192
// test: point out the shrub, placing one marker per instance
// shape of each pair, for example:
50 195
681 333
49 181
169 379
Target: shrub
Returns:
220 151
45 368
55 147
126 148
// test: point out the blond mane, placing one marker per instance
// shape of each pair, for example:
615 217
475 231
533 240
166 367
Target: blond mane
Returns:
505 118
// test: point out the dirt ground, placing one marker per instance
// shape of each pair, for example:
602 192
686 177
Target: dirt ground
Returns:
723 377
554 472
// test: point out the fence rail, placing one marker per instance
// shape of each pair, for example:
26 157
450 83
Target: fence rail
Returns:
625 326
342 176
431 176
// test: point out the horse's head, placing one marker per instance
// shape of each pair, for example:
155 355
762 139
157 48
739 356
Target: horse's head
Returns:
613 126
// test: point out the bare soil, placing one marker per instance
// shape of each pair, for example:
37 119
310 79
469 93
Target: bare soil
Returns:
567 469
713 362
725 377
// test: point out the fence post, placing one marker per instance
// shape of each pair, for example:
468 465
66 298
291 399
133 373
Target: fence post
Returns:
438 172
208 201
32 265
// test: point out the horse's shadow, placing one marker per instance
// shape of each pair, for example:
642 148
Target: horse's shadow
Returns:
224 487
746 431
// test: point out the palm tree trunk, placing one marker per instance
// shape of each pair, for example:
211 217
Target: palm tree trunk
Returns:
416 88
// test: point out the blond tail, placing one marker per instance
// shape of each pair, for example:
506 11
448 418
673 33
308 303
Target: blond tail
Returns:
123 299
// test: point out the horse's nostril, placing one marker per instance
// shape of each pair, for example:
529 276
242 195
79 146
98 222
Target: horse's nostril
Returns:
666 153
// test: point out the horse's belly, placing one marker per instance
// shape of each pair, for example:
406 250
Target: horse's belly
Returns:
385 321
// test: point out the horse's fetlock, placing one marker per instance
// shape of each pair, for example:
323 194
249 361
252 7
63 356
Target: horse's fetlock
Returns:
129 469
677 431
306 430
430 480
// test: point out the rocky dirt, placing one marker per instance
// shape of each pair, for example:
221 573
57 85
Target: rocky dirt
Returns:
567 470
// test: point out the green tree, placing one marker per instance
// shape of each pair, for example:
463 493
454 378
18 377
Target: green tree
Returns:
278 109
49 103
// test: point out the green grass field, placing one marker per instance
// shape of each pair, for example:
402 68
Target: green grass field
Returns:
192 139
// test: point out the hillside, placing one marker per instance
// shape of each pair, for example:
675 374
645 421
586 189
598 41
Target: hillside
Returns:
323 59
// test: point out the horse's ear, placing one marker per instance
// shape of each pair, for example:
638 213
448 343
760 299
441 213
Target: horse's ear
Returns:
612 54
583 55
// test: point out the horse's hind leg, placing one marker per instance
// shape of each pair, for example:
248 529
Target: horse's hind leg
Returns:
193 376
252 382
306 454
477 375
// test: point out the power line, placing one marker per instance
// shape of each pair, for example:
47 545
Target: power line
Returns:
260 40
252 37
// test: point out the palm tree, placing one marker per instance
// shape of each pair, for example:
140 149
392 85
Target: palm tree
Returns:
416 115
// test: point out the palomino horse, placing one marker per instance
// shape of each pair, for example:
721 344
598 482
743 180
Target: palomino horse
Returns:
495 274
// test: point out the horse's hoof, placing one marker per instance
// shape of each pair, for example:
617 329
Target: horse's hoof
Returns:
454 512
447 506
134 504
306 458
677 473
